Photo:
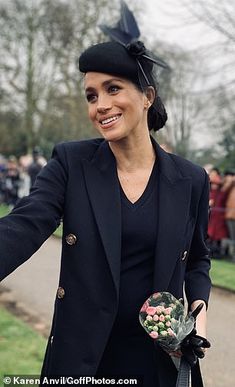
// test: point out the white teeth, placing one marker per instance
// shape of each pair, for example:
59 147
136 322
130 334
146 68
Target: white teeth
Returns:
108 120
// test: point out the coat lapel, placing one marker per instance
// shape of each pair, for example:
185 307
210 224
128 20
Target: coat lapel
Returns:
103 190
173 210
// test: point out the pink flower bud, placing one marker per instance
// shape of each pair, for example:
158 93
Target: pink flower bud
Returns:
144 307
159 309
156 295
168 310
153 334
151 310
155 317
170 332
162 317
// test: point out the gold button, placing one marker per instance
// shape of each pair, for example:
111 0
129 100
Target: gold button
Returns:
60 292
184 255
71 239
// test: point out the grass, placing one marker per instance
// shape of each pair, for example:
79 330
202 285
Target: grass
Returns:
21 349
58 232
4 210
223 274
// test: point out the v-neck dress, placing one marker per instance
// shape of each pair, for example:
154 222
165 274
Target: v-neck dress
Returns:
130 351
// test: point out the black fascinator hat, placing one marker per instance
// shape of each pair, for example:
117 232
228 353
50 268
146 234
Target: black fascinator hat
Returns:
127 57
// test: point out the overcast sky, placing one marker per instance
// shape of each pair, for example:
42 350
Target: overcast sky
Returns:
169 20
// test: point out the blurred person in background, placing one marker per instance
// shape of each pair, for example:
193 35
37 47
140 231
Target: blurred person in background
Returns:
11 181
37 164
217 228
230 214
25 181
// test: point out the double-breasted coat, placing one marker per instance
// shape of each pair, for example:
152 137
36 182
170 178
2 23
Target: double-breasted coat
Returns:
80 185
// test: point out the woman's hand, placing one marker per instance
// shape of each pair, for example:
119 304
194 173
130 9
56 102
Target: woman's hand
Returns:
195 344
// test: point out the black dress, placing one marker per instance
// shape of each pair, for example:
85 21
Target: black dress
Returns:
130 351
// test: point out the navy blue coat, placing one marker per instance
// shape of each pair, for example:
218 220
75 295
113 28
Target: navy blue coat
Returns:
80 184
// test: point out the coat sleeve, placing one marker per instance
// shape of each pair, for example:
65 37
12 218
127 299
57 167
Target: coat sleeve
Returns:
35 217
197 280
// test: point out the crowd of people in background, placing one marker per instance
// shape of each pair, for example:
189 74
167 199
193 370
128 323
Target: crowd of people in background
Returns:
221 228
18 175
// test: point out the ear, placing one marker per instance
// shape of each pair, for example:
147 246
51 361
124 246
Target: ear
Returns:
150 94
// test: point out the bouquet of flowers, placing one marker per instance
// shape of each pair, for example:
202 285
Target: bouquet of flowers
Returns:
163 318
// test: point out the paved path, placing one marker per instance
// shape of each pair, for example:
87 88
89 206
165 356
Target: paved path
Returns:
34 284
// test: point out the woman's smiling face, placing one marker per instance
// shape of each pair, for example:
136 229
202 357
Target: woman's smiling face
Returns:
116 107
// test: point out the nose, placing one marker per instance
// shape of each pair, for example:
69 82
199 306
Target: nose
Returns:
104 104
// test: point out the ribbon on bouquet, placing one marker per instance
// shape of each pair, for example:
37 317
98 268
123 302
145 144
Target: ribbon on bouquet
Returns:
191 348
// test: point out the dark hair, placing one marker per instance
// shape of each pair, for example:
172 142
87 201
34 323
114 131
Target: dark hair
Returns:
228 172
216 170
157 115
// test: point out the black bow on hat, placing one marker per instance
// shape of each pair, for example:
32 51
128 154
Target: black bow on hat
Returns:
127 32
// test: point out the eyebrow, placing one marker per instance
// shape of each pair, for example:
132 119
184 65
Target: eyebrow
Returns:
104 84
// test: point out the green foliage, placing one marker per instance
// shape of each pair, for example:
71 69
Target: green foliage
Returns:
21 349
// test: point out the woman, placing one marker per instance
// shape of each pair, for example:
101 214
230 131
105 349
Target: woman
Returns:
230 215
217 227
134 222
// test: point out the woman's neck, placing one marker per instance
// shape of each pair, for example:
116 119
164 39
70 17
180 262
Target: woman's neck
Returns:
133 153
